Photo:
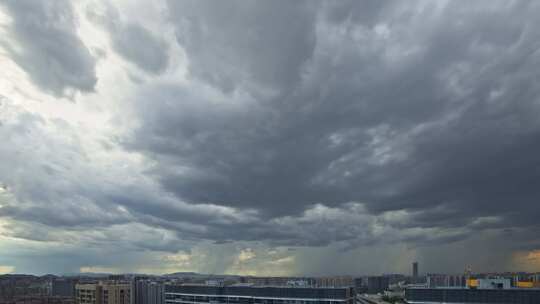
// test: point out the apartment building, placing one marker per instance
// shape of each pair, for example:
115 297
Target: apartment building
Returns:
116 293
88 293
103 292
148 292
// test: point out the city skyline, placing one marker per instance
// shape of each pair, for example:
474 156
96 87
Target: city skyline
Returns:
269 138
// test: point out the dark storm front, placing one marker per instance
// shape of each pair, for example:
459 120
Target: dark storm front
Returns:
257 295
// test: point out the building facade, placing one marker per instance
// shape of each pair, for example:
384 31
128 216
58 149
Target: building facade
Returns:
377 284
148 292
39 300
104 292
360 285
63 287
88 294
415 270
115 293
468 295
446 280
334 281
325 281
200 294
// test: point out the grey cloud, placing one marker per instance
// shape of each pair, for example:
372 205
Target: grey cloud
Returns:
434 116
367 13
80 198
138 45
132 41
46 174
205 142
43 41
238 44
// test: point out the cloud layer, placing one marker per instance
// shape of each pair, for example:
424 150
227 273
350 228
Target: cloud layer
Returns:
269 138
42 40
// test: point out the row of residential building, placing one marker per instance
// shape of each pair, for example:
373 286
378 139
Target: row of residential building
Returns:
512 279
328 281
148 292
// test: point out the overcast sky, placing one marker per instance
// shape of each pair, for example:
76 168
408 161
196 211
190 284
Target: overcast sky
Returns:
269 137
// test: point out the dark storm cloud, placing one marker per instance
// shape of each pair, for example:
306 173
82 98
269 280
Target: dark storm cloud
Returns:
334 124
237 42
426 109
132 41
72 201
43 41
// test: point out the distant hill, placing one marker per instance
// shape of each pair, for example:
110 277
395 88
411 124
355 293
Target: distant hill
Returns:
87 274
17 275
198 275
186 275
